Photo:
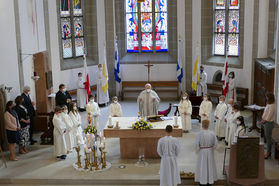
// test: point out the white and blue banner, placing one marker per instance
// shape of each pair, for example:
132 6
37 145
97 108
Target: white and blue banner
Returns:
179 68
117 76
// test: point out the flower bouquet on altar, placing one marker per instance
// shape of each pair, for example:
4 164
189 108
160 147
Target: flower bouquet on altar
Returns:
90 130
141 125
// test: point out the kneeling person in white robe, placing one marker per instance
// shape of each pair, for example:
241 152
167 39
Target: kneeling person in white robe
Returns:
205 109
240 130
219 115
185 110
76 119
169 148
69 135
115 108
205 144
60 148
94 110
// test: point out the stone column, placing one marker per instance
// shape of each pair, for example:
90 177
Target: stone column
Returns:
276 81
263 28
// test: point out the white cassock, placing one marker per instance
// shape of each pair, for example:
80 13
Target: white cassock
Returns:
168 148
81 94
205 108
228 115
148 106
202 86
233 126
240 131
95 112
220 112
77 130
185 106
115 110
231 90
102 98
60 147
69 135
205 144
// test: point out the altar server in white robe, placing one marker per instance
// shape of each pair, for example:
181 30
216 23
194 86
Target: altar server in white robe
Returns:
219 115
76 119
148 102
205 144
94 110
240 130
205 108
60 147
232 123
69 135
232 87
185 110
202 83
102 98
168 149
81 93
115 108
228 115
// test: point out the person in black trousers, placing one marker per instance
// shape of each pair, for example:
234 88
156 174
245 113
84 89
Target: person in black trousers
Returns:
62 96
29 105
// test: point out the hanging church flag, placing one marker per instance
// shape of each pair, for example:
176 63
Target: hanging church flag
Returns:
105 72
179 68
196 75
85 75
225 78
117 64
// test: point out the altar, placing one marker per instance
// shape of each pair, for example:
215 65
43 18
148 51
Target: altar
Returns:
132 141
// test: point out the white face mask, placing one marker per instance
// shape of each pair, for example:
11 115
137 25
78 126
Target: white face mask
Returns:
92 100
80 78
184 97
220 102
114 101
238 122
148 90
64 90
66 111
75 108
205 99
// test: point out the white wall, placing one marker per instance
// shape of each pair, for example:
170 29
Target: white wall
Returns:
9 75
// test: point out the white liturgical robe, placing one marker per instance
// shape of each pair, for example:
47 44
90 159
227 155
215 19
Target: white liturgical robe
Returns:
169 148
228 115
60 147
202 86
81 94
77 130
102 98
220 113
231 90
205 108
69 135
205 144
148 103
233 126
185 110
115 110
94 110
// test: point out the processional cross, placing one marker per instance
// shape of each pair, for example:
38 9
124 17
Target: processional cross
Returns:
148 69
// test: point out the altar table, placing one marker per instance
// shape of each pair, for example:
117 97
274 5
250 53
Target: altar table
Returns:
132 141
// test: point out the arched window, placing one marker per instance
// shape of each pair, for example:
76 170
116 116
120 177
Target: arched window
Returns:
151 16
72 34
226 27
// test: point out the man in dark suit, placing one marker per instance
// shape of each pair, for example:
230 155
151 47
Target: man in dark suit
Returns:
62 96
29 105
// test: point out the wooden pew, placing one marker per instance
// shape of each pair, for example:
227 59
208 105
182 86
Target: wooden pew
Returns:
158 86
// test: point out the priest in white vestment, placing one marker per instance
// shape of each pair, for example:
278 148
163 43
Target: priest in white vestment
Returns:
240 130
205 108
202 83
229 114
232 88
115 108
94 110
219 115
168 149
76 119
205 144
185 110
69 135
60 148
102 98
232 123
148 102
81 93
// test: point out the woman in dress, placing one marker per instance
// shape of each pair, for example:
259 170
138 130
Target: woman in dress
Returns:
185 110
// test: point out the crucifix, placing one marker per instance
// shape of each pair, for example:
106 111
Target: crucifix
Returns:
148 69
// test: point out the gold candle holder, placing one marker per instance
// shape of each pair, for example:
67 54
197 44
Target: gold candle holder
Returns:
95 162
78 157
87 161
90 160
104 160
101 150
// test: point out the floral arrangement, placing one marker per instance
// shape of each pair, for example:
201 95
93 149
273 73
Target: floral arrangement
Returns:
141 125
90 130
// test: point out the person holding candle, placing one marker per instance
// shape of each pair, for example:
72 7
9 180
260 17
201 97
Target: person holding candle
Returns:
76 119
185 110
94 110
115 108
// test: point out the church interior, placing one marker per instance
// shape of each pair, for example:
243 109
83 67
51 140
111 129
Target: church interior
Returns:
154 63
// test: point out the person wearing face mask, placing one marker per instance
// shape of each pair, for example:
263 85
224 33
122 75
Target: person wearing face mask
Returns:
76 119
29 105
59 131
69 135
102 97
219 116
229 114
81 93
232 88
232 123
185 110
115 108
63 97
202 86
148 102
205 108
94 110
240 130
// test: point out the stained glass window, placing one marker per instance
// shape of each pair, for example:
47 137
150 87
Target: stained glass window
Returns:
72 32
152 18
226 27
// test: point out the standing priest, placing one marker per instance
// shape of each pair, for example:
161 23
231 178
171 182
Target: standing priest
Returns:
148 102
